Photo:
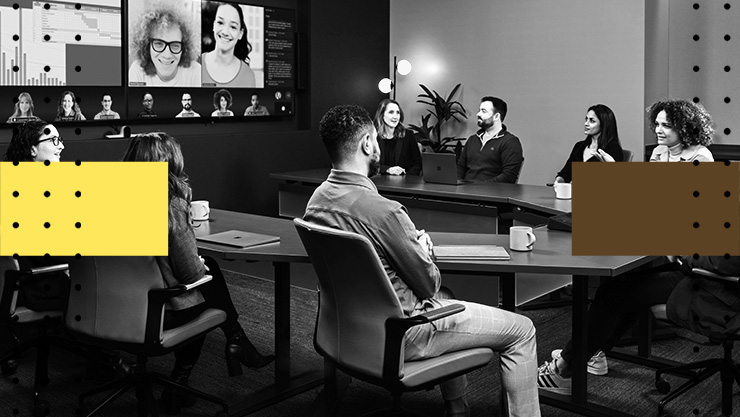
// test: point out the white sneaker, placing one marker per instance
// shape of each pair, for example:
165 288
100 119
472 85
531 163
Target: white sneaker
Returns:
548 379
597 365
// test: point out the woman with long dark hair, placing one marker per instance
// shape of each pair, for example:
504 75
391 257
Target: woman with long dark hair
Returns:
184 266
601 143
227 65
399 151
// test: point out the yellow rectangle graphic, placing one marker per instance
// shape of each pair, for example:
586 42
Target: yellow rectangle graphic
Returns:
649 208
94 209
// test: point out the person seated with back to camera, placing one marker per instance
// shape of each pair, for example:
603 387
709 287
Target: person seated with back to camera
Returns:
349 200
601 143
399 151
683 130
184 266
493 153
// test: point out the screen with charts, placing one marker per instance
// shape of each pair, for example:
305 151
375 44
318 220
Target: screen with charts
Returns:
60 43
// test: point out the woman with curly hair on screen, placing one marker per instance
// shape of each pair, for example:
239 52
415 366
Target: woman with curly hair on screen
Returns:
222 101
227 64
165 52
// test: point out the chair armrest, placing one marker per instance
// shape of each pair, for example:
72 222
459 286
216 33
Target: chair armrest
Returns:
155 306
395 330
11 284
710 274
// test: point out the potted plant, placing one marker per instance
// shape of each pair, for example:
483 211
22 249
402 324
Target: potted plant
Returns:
443 109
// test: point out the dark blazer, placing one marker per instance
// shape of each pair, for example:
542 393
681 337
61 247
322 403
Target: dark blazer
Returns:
405 154
576 155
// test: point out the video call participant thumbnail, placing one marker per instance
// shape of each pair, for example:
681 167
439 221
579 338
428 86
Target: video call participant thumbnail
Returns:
222 101
148 102
107 101
68 109
226 60
187 107
23 111
256 109
163 49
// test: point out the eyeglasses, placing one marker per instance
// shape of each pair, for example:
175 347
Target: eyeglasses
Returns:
159 45
56 140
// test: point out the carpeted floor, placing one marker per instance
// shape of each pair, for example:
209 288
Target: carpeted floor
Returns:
627 387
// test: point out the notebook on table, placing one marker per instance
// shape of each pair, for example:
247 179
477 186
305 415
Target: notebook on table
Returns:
239 239
471 253
440 168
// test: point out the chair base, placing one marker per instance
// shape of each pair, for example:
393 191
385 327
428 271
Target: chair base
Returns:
726 367
142 380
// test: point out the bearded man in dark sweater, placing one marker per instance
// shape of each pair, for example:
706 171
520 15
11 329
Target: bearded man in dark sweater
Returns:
491 154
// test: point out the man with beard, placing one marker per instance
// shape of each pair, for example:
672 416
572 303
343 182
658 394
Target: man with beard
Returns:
492 154
349 201
187 107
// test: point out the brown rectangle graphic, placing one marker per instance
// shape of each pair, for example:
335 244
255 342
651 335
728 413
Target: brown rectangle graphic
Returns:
645 208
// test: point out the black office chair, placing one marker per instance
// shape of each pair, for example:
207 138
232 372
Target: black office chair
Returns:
627 155
360 326
117 303
725 366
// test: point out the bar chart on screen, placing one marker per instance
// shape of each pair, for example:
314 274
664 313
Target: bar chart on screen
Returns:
50 43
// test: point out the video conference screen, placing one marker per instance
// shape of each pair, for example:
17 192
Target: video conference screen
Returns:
69 61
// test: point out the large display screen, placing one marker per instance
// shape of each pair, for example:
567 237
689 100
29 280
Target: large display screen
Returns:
72 61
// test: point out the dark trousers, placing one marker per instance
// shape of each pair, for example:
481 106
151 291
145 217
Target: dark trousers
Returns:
620 301
216 295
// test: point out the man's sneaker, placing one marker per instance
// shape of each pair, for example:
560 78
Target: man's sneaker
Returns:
548 379
597 365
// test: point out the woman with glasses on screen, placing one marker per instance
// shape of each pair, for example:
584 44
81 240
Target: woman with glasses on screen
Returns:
227 64
23 109
164 50
67 109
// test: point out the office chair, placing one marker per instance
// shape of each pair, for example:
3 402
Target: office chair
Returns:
14 317
360 326
627 155
117 303
725 366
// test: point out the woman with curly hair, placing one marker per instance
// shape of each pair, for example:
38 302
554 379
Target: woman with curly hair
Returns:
166 53
67 109
23 109
683 130
222 102
227 62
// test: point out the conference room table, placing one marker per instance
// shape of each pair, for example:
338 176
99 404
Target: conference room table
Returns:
551 255
529 203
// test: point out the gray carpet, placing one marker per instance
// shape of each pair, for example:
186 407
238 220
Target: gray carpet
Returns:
627 387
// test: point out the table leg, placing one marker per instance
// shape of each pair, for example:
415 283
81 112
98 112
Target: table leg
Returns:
507 284
285 385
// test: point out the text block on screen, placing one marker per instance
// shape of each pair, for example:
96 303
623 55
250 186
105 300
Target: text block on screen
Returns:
91 209
645 208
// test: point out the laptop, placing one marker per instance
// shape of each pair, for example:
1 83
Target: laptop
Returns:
440 168
239 239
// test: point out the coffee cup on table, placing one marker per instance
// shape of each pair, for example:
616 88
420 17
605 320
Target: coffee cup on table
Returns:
199 210
563 190
521 238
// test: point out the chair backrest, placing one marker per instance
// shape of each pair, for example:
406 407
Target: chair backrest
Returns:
356 298
627 155
8 263
108 296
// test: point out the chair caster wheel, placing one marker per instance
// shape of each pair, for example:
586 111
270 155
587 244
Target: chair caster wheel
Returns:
41 409
663 386
9 367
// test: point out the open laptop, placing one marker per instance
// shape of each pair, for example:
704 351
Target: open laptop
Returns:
440 168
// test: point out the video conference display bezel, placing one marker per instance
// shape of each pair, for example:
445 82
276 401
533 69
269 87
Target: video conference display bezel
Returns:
127 100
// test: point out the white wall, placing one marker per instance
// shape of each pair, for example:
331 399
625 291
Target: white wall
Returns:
549 60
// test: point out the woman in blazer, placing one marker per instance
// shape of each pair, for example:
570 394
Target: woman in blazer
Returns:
399 151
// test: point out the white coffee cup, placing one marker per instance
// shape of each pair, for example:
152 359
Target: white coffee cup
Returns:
199 210
521 238
563 190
